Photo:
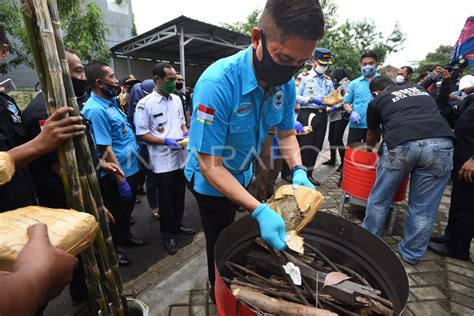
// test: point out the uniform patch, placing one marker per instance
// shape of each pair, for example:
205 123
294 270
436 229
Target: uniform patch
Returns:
140 107
205 114
278 99
244 109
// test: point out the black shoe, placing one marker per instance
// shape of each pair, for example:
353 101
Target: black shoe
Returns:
287 179
186 231
339 169
133 242
171 245
445 250
132 221
329 162
439 239
315 182
122 258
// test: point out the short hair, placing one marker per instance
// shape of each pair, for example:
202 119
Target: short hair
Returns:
3 36
380 83
422 76
95 70
409 69
159 69
286 17
369 54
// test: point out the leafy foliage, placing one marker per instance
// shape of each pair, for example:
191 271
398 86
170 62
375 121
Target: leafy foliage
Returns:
441 56
244 27
83 26
347 41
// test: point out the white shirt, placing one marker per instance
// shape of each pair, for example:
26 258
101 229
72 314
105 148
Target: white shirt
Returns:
161 117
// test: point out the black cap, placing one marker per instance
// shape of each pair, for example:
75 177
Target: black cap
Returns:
323 55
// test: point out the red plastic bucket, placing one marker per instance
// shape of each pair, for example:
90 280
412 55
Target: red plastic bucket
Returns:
359 174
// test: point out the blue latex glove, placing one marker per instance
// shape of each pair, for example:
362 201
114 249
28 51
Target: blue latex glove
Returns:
272 226
355 117
301 178
186 134
318 101
299 127
172 143
125 191
330 109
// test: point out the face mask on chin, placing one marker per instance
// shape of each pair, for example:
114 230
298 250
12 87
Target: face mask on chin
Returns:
268 70
321 69
80 87
111 90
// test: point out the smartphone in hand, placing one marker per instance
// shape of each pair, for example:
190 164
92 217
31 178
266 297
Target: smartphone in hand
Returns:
7 86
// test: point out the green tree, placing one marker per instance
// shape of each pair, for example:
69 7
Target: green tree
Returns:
244 27
83 25
441 56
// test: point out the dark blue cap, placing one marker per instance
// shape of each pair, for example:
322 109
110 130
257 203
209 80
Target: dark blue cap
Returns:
322 55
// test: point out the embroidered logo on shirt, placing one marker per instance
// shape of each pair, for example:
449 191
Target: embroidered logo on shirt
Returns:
14 113
244 109
205 114
278 99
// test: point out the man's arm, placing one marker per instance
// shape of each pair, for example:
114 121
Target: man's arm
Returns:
39 274
56 130
289 148
221 179
151 139
372 138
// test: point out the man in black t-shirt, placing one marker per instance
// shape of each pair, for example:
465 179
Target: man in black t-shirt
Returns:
417 142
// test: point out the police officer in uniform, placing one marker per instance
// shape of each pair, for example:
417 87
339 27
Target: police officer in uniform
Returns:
310 92
235 102
19 191
160 122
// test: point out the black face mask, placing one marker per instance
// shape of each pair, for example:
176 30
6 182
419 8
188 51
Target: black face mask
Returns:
80 87
179 85
111 91
268 70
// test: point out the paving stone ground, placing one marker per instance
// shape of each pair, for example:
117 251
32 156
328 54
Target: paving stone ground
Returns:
438 285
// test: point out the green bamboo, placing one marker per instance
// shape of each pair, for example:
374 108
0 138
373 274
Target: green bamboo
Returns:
49 70
104 239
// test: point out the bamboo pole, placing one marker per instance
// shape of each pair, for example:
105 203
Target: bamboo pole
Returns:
103 243
49 70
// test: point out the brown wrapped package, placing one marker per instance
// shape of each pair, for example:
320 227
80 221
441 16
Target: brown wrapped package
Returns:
68 230
7 167
297 207
184 142
334 98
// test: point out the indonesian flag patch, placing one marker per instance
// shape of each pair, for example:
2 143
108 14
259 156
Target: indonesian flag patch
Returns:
205 114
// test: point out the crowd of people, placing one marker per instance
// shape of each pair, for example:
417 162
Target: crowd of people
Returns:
248 113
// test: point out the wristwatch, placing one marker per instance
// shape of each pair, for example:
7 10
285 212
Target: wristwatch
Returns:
298 167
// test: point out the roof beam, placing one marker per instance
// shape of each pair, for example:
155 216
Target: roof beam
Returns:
149 40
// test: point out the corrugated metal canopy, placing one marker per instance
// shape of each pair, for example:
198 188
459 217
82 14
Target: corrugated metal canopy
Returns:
203 43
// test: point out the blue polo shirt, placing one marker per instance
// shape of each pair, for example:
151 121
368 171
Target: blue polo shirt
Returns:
231 118
358 94
110 127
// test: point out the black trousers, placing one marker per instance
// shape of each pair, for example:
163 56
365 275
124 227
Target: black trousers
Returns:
172 188
336 132
356 135
120 209
216 214
312 144
460 229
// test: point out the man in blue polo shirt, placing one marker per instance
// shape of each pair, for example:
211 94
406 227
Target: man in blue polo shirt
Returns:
236 101
116 143
358 97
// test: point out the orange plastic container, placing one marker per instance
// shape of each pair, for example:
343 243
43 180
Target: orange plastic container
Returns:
359 174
